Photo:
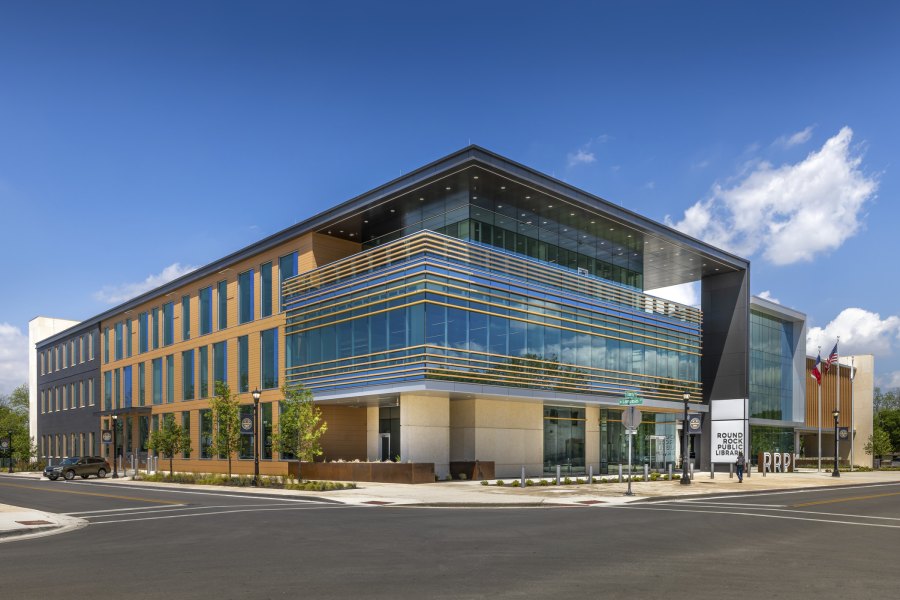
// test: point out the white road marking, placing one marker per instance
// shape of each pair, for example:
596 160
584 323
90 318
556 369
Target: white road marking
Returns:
780 492
109 510
223 512
165 509
762 516
224 495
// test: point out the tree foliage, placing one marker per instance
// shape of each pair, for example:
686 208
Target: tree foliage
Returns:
14 421
879 443
226 421
887 400
170 439
301 425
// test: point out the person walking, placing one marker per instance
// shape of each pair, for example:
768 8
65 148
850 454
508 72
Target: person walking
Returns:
739 463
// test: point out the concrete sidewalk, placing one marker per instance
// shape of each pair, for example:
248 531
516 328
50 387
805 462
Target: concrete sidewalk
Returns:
16 522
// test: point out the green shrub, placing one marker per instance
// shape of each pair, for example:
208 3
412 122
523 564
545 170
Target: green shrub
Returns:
500 483
567 481
529 483
543 482
515 483
654 476
485 482
580 481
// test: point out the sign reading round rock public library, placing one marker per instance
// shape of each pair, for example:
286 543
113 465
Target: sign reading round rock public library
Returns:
106 436
727 440
247 426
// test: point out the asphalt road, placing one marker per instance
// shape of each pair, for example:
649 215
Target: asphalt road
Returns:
153 543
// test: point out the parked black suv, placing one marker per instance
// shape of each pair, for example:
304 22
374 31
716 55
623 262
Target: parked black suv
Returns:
78 465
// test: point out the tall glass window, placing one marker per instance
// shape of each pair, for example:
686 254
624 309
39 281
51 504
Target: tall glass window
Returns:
265 290
287 268
205 433
105 346
220 362
243 364
128 338
157 381
222 293
185 318
117 387
204 371
771 367
168 323
268 354
187 375
143 331
564 439
170 378
126 382
245 296
247 441
265 410
205 298
119 340
107 392
142 383
155 333
186 426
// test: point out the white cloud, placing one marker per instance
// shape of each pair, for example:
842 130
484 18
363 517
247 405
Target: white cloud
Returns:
790 213
117 293
13 358
582 157
767 295
861 331
685 293
795 139
650 185
890 380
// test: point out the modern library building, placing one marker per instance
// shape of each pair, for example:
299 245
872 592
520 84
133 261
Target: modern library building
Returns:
473 309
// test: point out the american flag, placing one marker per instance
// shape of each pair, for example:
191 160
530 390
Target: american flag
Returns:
815 370
832 358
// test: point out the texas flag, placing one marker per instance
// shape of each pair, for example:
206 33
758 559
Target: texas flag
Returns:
832 358
815 370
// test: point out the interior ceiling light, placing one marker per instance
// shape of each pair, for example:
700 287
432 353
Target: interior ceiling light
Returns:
528 197
421 198
448 187
612 228
499 206
571 214
392 210
551 206
502 187
476 177
365 221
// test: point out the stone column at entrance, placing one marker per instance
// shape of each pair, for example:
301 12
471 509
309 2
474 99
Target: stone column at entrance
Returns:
425 431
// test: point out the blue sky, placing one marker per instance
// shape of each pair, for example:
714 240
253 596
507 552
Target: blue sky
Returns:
152 137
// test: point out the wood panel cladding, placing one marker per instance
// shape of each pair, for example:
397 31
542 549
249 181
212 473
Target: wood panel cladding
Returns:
829 396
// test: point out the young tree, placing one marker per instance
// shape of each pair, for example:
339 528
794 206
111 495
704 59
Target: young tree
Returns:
170 439
879 443
14 420
300 425
226 421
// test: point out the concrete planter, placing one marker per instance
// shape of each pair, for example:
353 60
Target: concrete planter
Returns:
387 472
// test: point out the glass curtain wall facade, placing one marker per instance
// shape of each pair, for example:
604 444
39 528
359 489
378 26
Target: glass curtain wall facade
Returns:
653 445
771 367
429 306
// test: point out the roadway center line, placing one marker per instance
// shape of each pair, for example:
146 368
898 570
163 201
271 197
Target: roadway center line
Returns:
851 499
153 510
763 516
225 512
106 510
66 491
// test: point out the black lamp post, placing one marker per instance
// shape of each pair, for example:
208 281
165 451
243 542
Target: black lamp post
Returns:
685 474
256 394
9 450
836 414
115 421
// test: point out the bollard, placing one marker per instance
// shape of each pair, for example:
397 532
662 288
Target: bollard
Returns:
523 476
670 471
646 472
691 470
764 471
558 469
620 472
730 471
712 470
747 468
591 474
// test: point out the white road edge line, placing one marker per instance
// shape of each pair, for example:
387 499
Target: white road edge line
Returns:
743 514
221 512
90 512
802 512
200 493
165 509
776 493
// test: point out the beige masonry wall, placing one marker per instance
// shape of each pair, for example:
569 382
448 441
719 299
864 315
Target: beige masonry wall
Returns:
509 433
425 431
592 438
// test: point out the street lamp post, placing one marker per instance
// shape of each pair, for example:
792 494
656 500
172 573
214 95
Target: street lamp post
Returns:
836 414
9 450
685 474
256 429
115 475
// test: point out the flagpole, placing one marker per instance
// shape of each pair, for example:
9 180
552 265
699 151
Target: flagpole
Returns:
819 408
852 431
837 402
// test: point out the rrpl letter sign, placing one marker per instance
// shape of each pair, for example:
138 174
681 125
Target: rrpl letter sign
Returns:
775 462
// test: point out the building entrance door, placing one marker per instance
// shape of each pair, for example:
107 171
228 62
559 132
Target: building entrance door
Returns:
656 455
384 443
